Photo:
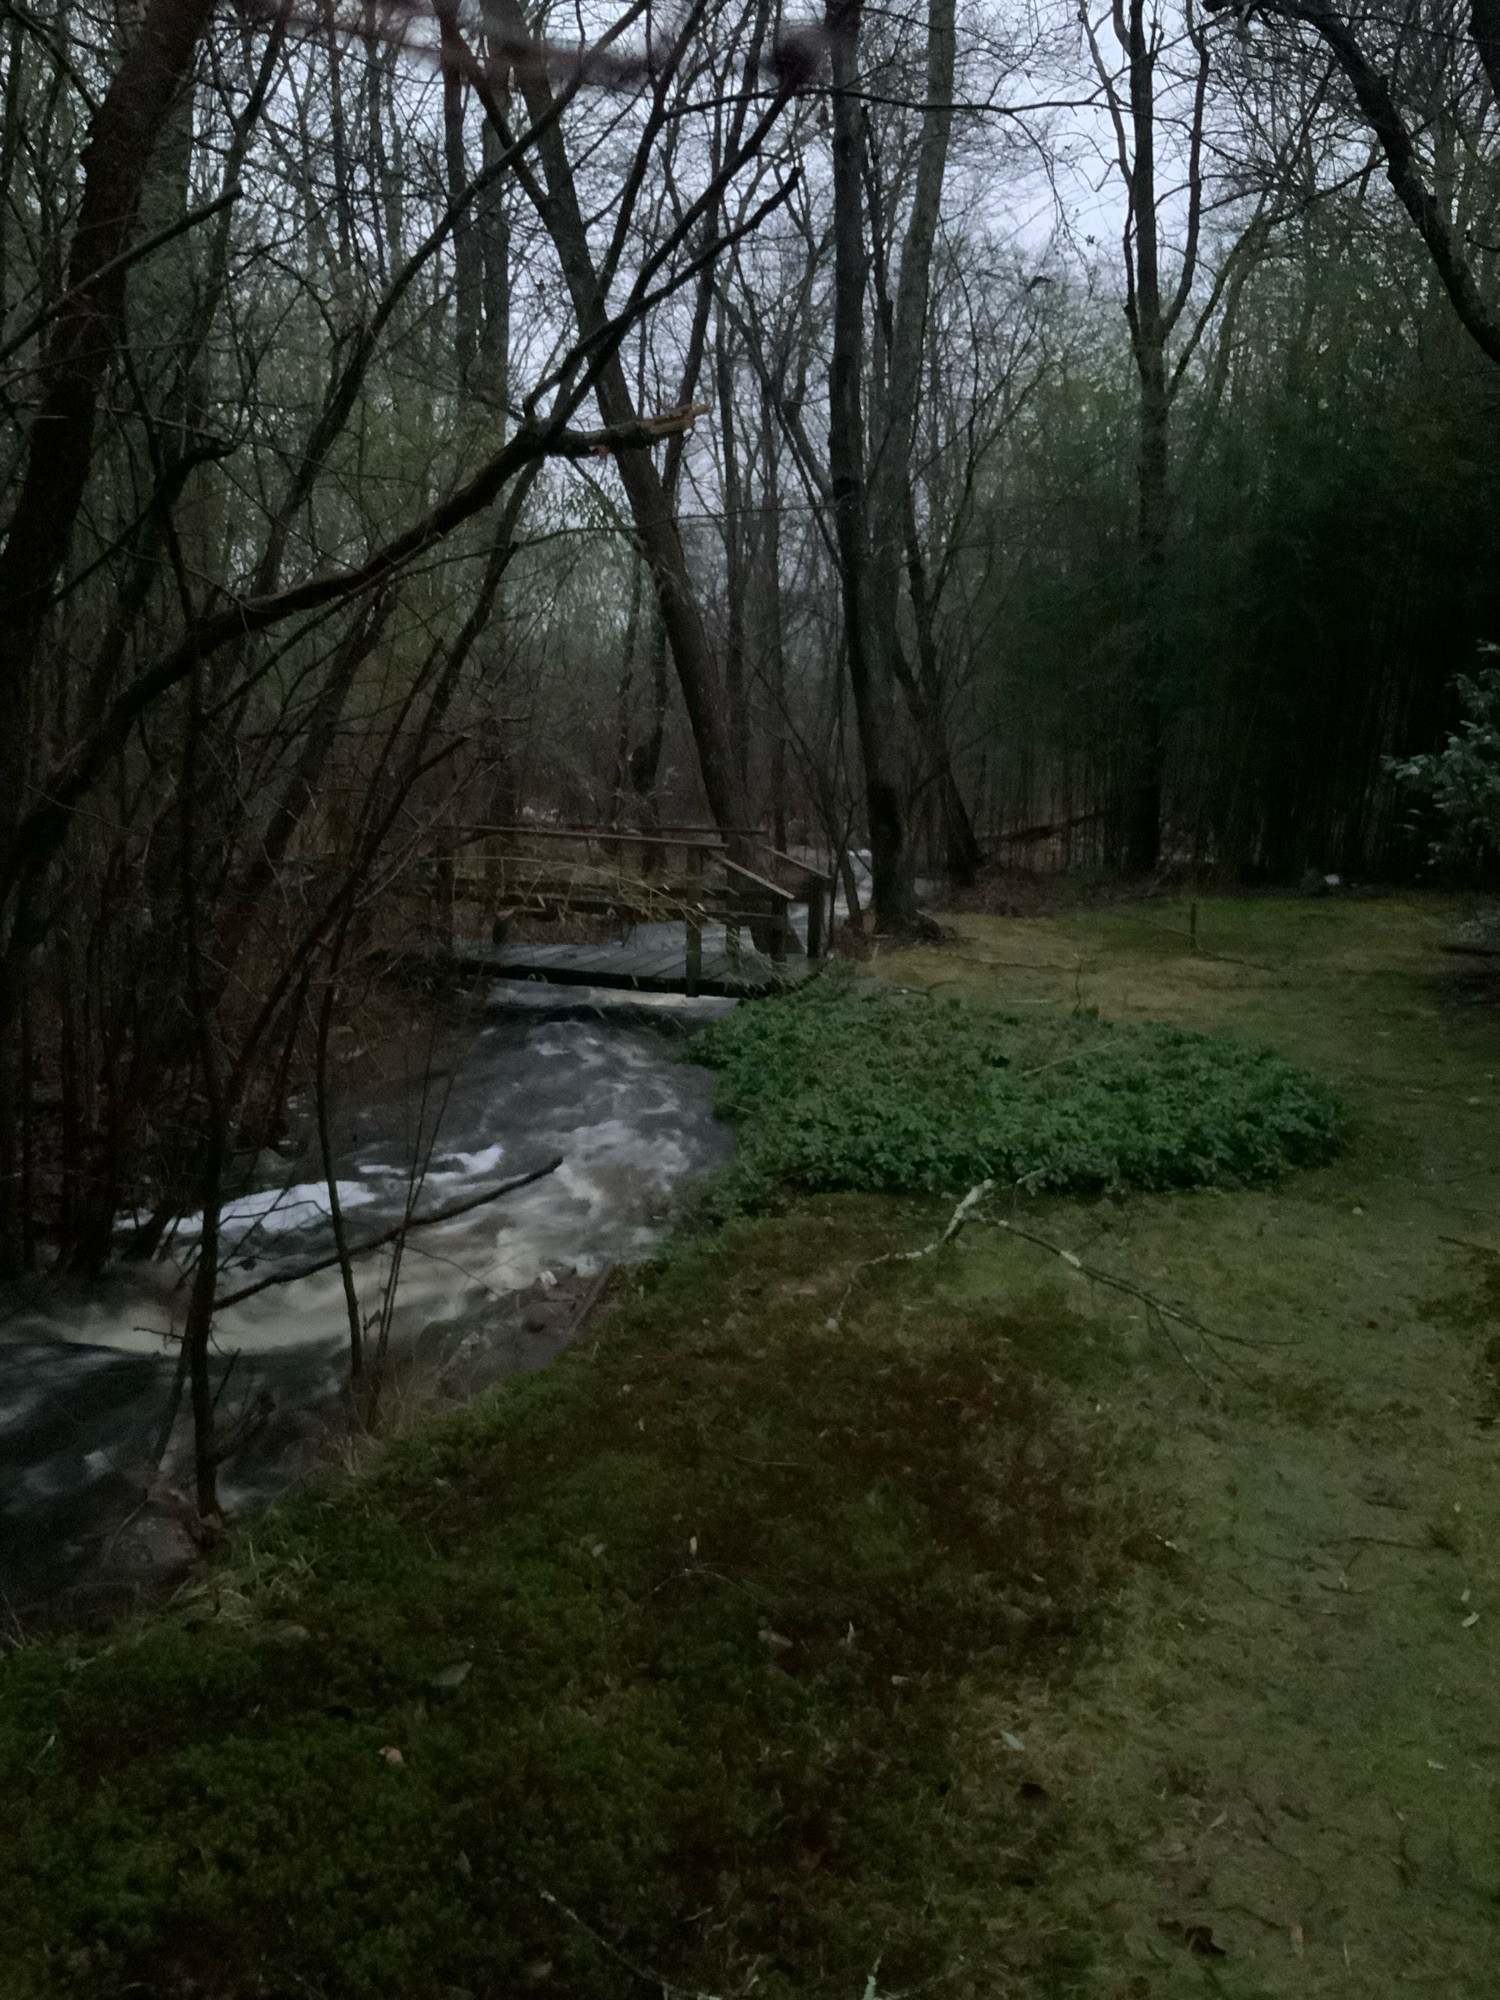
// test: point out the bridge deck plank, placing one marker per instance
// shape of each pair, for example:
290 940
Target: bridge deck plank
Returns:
653 965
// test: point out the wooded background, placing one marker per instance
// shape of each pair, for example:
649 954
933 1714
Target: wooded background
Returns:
1010 433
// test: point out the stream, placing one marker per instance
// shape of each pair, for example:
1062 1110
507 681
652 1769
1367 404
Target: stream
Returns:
91 1489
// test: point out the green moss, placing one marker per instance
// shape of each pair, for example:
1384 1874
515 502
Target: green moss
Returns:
834 1088
722 1586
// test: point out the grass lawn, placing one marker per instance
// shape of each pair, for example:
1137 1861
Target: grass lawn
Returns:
832 1628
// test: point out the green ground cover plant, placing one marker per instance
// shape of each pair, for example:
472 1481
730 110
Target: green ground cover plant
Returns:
871 1088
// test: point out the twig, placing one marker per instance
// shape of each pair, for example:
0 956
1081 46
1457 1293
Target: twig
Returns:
1380 1542
1057 1062
252 1420
1163 1311
16 1637
1134 1291
590 1299
1278 1603
389 1235
699 1569
330 1173
416 1181
437 1257
1180 1351
174 1404
1203 951
667 1990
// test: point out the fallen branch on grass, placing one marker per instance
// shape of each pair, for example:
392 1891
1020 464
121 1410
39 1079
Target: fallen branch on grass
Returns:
962 1214
966 1212
1124 1285
447 1214
1163 1311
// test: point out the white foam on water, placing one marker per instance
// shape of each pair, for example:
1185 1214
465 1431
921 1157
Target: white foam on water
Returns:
632 1123
483 1162
274 1211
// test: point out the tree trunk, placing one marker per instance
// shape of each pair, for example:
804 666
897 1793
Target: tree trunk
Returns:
492 226
772 650
962 854
14 1206
467 274
343 200
893 430
624 690
645 758
10 134
79 352
734 557
655 524
195 1336
1143 821
214 1137
1142 814
870 681
81 349
1484 26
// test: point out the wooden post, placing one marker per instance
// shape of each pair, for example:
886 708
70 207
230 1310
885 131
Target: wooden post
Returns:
496 886
694 921
814 918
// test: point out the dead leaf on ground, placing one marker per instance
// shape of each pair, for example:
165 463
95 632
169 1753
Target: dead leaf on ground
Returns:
1197 1937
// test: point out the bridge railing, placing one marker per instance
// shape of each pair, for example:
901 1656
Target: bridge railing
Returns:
685 875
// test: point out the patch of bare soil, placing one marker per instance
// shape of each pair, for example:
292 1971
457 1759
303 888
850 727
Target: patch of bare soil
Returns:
852 941
1008 892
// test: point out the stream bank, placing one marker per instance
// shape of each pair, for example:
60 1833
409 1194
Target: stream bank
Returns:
91 1488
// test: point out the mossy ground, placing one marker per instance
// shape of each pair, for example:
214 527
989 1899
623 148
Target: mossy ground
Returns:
754 1610
1296 1743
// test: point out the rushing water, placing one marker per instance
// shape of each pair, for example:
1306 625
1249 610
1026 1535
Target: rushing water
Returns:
86 1371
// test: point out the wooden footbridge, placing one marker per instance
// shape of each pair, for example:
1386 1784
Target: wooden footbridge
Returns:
692 917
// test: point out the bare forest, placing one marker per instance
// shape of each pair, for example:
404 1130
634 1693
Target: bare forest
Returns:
1015 435
952 437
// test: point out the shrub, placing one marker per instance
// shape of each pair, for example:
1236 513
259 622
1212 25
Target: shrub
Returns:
1461 782
835 1087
